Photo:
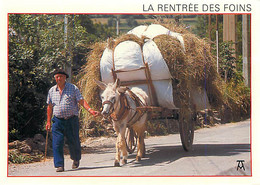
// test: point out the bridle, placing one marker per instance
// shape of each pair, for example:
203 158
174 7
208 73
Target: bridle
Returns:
111 108
124 108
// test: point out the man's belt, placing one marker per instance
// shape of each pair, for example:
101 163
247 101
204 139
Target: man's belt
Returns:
66 118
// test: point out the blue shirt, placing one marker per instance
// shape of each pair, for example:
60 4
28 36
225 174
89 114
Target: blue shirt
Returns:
66 104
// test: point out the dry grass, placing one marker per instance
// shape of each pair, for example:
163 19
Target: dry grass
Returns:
90 72
128 37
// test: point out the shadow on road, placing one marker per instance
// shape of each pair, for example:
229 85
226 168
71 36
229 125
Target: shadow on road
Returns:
169 154
90 168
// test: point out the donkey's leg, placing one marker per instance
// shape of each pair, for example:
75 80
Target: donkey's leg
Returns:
123 143
140 143
140 128
144 151
140 146
118 153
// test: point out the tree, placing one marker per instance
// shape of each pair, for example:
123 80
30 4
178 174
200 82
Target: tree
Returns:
227 61
36 48
131 22
28 82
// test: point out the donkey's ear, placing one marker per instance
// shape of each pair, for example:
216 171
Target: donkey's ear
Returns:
101 85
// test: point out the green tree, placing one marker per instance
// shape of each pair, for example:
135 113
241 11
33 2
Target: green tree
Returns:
227 61
131 22
36 48
27 81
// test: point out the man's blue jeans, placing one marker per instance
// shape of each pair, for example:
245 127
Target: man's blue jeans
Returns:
70 129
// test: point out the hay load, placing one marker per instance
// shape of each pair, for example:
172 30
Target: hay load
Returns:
128 61
182 68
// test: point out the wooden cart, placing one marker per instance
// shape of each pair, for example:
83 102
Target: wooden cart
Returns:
186 127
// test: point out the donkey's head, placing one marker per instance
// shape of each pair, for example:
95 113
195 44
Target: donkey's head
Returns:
109 96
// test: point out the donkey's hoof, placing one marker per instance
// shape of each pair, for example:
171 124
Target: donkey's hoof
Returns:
117 164
138 158
124 161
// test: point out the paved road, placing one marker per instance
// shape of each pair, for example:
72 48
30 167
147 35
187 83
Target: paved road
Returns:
215 152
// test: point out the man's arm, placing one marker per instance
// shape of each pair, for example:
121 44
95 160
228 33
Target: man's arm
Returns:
84 104
49 116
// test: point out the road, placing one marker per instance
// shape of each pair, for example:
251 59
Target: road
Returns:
215 153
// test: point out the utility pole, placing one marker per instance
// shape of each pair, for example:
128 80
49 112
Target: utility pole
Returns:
67 64
217 40
229 30
209 29
246 48
117 25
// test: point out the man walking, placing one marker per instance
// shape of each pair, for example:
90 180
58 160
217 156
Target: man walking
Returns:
63 100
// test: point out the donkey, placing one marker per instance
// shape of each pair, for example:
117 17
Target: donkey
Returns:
120 105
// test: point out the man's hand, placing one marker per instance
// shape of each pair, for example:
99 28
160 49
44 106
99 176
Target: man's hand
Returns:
48 126
94 113
83 103
49 115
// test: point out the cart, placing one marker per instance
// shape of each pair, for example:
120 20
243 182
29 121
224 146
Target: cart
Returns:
186 127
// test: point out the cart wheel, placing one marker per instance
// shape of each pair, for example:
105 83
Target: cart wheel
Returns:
131 140
187 133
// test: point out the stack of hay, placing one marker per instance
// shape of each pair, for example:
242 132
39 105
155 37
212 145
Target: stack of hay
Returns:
191 68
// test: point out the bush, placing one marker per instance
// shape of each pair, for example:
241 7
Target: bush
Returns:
18 158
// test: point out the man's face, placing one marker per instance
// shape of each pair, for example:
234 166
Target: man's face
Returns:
60 79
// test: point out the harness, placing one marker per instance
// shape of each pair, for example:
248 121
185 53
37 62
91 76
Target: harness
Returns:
125 108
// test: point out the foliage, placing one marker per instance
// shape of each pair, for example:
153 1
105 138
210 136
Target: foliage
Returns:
131 22
227 61
28 76
111 22
235 91
18 158
201 25
202 29
36 48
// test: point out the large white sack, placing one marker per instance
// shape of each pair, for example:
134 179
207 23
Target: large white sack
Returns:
158 67
125 60
154 30
128 57
106 64
138 31
163 89
164 92
200 99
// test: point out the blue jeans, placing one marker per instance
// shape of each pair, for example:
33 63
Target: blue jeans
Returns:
70 129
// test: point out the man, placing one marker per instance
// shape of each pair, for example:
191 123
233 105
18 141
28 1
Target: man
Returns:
63 100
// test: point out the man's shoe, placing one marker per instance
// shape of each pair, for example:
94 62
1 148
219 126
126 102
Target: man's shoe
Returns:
60 169
75 164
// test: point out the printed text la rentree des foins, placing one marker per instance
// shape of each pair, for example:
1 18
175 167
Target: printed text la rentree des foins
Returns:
197 7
